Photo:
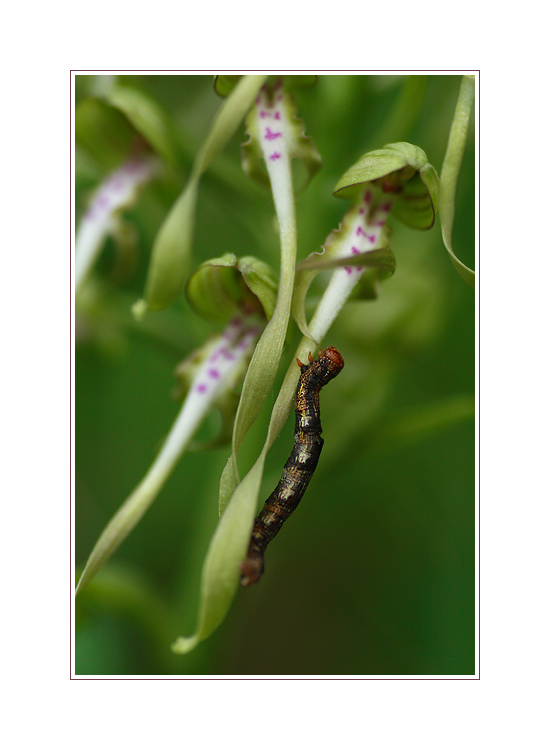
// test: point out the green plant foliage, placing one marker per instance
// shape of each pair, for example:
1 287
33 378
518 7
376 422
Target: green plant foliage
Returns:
375 572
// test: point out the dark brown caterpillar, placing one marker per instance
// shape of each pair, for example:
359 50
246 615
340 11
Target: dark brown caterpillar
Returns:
300 466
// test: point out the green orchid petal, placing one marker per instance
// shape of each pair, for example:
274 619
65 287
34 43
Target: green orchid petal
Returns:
215 288
451 170
171 253
223 287
403 171
416 206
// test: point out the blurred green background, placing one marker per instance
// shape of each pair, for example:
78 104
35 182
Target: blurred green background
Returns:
375 572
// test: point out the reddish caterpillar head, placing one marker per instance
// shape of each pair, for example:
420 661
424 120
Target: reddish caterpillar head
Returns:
335 359
331 359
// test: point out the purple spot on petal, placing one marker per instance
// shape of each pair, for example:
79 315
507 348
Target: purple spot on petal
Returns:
201 388
214 374
277 115
354 250
368 196
371 237
348 269
361 210
275 155
263 113
270 135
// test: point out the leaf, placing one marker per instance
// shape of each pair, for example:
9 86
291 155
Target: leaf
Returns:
220 574
170 258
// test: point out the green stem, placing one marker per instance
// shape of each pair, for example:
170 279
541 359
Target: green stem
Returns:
450 171
265 360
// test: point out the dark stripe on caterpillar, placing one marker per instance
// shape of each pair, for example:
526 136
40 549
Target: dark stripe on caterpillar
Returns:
299 468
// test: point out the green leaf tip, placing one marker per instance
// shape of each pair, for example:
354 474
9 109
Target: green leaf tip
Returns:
170 257
223 287
402 171
220 573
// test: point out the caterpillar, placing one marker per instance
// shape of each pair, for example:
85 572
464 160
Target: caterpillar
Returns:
299 468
